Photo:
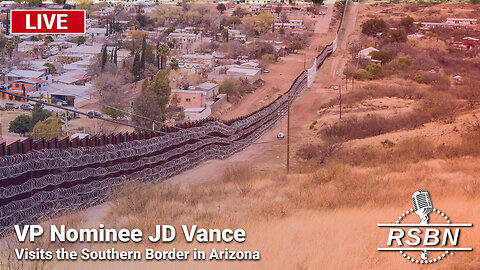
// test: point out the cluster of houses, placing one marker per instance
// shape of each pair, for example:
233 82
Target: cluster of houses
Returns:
56 71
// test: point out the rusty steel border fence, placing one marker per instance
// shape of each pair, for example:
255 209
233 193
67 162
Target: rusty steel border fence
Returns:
41 178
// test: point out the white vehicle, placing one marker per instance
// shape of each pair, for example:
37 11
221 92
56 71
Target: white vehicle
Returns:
322 13
280 135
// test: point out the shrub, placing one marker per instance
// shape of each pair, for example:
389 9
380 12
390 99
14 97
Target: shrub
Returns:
383 56
363 74
398 35
373 26
376 71
419 79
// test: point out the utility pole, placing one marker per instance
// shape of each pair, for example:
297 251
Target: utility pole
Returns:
288 134
340 99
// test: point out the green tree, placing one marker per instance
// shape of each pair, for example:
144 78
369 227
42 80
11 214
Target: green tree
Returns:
383 56
221 8
228 87
152 101
33 38
51 68
174 64
363 74
163 51
79 40
170 30
49 39
104 56
137 66
376 71
115 57
39 114
265 22
22 124
294 46
48 129
317 2
372 27
398 35
115 111
408 24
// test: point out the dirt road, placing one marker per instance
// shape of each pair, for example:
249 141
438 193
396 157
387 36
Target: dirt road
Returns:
283 73
267 150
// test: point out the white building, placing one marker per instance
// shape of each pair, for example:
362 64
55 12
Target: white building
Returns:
365 53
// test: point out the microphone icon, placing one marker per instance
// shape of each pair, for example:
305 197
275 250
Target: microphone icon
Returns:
423 206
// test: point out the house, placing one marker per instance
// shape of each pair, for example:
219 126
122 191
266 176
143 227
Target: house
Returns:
365 53
238 72
211 89
196 62
23 87
22 73
236 35
77 77
292 24
470 42
450 22
96 34
183 40
65 94
195 114
189 98
461 21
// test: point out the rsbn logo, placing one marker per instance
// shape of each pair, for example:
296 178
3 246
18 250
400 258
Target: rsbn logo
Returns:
432 241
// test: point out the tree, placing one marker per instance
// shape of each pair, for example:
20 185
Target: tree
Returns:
294 46
375 70
115 111
51 68
174 64
79 40
319 2
408 24
104 57
39 114
383 56
221 8
60 2
152 101
22 124
228 87
398 35
163 51
239 12
142 20
137 66
374 26
33 38
115 56
170 30
48 129
49 39
110 87
265 22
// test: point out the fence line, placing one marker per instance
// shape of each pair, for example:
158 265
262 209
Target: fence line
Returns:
46 177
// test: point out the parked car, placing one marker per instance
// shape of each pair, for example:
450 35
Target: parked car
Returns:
26 107
266 71
92 114
11 106
322 13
